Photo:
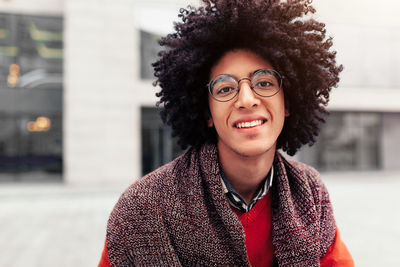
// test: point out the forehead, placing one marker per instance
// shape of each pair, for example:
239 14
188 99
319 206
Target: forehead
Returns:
239 63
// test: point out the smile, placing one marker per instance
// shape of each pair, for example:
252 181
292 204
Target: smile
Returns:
249 124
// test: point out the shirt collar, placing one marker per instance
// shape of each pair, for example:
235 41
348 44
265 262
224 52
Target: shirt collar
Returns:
236 200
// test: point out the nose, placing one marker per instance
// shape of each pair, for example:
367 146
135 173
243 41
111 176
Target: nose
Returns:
246 96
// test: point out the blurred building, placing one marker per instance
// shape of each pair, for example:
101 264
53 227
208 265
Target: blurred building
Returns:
31 88
77 101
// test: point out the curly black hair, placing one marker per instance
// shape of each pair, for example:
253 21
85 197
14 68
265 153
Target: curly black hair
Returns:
281 32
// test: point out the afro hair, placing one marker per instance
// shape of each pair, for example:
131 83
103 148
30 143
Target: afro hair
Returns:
281 32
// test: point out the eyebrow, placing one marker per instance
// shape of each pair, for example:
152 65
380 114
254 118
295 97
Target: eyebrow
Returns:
248 75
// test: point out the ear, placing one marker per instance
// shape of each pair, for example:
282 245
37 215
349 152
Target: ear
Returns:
287 107
210 122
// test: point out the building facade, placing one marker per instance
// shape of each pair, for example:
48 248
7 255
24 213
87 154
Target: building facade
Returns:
83 78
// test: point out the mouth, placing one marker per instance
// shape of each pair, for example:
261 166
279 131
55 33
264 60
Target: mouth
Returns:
249 124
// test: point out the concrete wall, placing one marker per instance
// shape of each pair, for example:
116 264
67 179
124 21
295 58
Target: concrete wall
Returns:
366 35
100 116
51 7
103 90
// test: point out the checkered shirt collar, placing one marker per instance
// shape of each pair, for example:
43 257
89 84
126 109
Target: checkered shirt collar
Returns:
236 200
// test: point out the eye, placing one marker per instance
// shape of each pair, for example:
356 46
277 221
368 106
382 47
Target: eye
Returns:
224 85
225 90
264 84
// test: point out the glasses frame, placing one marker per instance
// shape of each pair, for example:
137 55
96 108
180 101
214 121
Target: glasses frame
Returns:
277 75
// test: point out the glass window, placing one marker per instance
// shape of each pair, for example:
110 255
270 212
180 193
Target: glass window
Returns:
349 141
158 147
31 68
149 49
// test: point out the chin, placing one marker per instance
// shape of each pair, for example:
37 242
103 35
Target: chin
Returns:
254 150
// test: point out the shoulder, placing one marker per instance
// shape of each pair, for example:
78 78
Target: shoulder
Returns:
306 171
157 184
160 188
301 171
139 210
304 178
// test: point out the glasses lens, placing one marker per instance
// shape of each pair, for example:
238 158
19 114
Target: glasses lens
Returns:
266 82
223 87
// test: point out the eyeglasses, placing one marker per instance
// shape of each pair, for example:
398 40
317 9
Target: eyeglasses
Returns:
263 82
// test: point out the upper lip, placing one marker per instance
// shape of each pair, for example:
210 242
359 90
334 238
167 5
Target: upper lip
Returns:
249 119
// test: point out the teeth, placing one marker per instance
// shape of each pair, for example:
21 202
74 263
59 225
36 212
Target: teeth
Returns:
249 124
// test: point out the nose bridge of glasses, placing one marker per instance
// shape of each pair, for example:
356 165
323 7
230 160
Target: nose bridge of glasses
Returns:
245 94
244 79
249 83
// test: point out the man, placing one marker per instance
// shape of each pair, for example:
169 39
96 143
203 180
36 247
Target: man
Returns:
240 80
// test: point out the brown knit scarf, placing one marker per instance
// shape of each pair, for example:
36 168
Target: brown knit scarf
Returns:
178 215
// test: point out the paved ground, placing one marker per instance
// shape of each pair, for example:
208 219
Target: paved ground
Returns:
53 225
367 210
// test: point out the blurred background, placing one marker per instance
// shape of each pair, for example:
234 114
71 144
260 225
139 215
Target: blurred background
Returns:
78 123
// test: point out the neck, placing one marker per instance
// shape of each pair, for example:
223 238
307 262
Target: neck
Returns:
245 173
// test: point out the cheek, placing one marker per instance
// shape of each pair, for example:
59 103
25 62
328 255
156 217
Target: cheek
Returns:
218 113
212 113
281 105
277 109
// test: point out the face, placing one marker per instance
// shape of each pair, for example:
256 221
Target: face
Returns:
249 124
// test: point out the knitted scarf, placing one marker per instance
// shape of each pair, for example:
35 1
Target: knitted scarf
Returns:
178 215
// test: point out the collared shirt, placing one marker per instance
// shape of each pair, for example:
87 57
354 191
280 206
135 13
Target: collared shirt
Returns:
236 200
